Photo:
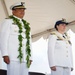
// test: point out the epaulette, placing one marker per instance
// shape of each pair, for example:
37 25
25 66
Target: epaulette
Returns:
7 18
52 33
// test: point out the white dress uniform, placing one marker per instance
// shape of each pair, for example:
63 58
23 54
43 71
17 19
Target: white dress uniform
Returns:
9 47
60 54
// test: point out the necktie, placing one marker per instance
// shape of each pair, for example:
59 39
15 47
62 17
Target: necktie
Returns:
64 36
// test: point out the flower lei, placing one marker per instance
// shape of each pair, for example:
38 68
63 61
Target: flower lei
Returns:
20 38
67 38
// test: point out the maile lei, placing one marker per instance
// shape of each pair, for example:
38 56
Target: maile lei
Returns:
20 38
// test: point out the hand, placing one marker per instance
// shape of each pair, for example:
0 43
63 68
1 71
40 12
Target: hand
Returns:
6 59
71 69
53 68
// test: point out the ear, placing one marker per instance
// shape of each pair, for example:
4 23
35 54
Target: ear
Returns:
57 26
13 11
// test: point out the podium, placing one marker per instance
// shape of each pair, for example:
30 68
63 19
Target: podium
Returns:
3 72
35 73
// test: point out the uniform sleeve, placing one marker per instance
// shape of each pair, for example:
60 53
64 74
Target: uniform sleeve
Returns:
51 47
4 36
71 53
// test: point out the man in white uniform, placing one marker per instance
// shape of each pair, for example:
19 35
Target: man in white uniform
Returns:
16 41
60 51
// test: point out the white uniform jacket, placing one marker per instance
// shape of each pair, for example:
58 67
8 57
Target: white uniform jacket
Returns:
59 51
9 40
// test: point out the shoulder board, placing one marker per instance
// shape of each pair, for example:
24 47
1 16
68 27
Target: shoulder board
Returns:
52 33
7 18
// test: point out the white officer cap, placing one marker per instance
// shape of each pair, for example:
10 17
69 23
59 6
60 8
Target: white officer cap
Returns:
18 5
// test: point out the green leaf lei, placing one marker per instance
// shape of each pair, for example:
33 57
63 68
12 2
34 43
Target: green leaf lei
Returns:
20 38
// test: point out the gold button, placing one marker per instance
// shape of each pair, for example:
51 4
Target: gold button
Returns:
15 30
23 31
22 44
66 55
67 51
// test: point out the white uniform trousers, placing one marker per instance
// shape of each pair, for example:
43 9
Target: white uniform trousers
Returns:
61 71
17 68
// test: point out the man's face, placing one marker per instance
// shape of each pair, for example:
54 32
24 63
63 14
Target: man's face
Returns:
19 12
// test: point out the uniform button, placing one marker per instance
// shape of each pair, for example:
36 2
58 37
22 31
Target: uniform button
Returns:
23 32
66 55
67 51
15 30
22 44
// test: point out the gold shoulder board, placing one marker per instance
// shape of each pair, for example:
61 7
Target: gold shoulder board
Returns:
52 33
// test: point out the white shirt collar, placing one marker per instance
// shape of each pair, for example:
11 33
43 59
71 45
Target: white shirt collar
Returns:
17 17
